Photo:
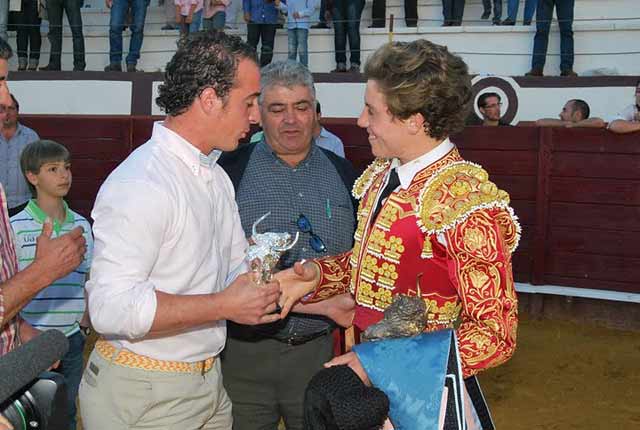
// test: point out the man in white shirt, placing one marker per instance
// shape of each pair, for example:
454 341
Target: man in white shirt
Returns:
628 121
170 253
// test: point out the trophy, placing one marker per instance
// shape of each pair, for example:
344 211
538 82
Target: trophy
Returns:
266 250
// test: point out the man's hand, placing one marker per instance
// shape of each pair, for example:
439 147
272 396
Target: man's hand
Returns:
4 424
295 283
351 359
59 256
247 17
247 303
108 3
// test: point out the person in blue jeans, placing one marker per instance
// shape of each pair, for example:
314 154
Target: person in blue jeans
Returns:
299 14
544 15
116 27
346 23
261 17
512 12
55 10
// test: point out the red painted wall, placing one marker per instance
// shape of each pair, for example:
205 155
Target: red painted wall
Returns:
576 192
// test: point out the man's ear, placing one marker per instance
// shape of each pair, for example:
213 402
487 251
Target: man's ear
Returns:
209 101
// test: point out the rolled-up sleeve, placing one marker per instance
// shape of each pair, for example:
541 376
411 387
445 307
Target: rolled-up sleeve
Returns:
131 221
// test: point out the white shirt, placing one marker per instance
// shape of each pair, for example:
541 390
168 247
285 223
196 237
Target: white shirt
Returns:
165 220
330 141
628 114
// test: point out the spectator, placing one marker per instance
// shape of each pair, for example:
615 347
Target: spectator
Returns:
564 10
346 24
319 186
13 139
261 17
489 105
452 10
169 14
28 36
575 113
55 8
299 14
215 14
322 16
60 306
379 8
4 19
189 13
324 138
512 12
163 283
497 10
54 259
119 10
628 121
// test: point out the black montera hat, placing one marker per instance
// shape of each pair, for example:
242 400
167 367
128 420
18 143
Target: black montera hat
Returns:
337 399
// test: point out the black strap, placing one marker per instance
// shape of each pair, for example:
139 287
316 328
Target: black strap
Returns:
392 184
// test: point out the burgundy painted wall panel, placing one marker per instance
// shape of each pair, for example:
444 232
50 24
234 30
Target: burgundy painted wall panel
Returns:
594 241
591 266
503 162
598 191
605 217
601 165
595 141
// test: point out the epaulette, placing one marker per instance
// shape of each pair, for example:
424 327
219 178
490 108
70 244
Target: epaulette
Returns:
362 184
455 192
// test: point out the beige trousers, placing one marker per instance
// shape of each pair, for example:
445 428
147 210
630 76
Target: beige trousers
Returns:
114 397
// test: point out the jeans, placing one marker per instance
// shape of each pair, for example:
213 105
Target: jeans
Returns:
55 9
529 9
346 23
379 8
116 26
28 31
266 33
194 25
216 22
4 19
544 15
497 8
453 10
71 368
298 38
323 8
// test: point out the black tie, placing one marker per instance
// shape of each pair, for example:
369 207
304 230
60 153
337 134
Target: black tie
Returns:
393 183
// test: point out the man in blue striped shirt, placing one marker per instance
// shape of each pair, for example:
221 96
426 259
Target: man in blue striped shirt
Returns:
60 306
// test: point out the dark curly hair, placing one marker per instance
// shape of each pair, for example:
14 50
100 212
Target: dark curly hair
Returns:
422 77
203 60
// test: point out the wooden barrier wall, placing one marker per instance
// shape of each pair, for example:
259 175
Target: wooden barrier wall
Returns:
576 192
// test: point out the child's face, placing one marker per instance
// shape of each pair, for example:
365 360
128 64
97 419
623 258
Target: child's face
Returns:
54 178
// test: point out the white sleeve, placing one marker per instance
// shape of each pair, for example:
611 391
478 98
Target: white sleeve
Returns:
627 114
131 219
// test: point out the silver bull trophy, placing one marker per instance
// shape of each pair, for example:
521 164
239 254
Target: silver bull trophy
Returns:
267 249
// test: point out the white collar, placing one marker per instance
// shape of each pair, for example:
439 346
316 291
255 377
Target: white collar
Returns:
407 171
183 149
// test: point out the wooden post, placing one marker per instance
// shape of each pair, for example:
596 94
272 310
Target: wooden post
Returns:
545 151
390 28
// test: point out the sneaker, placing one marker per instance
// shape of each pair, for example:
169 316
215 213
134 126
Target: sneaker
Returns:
508 22
534 72
320 25
168 27
569 73
33 65
131 68
22 64
113 67
50 68
340 68
355 68
526 22
486 14
79 68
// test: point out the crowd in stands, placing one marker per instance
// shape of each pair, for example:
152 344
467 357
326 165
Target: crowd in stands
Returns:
263 18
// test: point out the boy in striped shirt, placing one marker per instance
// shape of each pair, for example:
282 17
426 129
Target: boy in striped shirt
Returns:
61 306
